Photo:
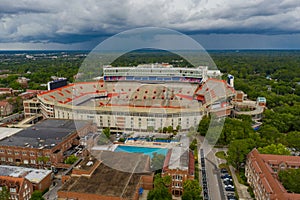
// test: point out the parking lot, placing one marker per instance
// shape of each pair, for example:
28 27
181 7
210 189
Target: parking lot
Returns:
228 185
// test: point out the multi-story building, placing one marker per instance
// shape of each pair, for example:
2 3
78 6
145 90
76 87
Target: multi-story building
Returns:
18 187
261 173
179 164
40 179
5 108
45 143
31 107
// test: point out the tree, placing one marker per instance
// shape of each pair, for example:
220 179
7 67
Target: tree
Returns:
290 179
278 149
43 159
157 161
191 190
103 140
293 139
193 144
71 159
178 128
4 193
106 132
170 129
269 132
165 129
37 195
238 150
150 129
160 191
203 125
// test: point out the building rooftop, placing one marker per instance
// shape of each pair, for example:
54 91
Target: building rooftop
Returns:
45 134
179 158
261 99
108 181
33 175
260 163
7 132
122 161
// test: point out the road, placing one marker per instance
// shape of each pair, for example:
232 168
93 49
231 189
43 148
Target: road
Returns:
213 177
52 193
215 187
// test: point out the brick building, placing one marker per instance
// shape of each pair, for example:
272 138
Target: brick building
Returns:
40 179
112 176
45 143
5 108
18 188
261 172
180 165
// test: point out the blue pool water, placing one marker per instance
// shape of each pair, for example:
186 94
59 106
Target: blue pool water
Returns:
145 150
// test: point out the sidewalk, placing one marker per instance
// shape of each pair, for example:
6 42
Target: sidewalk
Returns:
241 189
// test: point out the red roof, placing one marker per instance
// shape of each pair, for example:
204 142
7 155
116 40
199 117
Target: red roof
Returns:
3 103
191 163
260 164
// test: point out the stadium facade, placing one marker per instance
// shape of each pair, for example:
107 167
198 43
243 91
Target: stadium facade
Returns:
142 98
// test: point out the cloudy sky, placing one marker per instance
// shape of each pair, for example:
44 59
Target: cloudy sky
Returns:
215 24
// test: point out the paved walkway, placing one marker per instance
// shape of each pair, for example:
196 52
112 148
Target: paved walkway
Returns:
241 189
52 193
144 195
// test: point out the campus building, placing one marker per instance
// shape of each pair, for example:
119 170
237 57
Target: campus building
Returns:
46 143
39 179
112 176
179 164
31 107
5 108
261 172
18 187
142 98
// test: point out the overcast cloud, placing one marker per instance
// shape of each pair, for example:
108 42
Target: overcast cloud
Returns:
58 22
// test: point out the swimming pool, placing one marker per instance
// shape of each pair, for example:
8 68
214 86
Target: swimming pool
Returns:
144 150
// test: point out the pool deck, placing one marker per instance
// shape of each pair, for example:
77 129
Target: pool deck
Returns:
139 143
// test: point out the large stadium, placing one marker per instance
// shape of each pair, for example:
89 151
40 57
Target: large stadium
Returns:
143 98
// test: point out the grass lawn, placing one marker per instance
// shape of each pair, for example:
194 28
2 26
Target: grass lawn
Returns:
221 154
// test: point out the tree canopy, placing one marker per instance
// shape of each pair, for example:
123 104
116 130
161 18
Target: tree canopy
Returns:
278 149
191 190
290 179
71 159
37 195
237 151
160 191
4 193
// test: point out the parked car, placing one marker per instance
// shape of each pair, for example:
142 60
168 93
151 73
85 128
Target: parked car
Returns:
224 170
231 197
229 189
226 176
227 179
228 182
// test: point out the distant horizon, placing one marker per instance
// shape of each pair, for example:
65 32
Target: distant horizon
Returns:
86 50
